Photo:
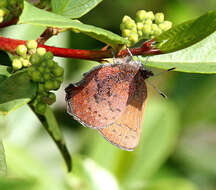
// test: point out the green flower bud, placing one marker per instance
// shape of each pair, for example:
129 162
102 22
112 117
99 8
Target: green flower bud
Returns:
134 38
40 108
32 51
35 59
141 15
154 27
44 64
128 22
1 19
157 32
41 51
159 18
147 29
52 97
2 12
31 44
47 76
139 32
3 3
41 69
12 2
31 70
122 26
58 71
50 63
139 25
41 88
126 19
150 15
17 64
25 62
47 70
60 79
36 76
168 25
49 85
21 50
148 21
162 26
48 55
56 85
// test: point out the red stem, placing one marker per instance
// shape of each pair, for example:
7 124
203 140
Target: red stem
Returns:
10 45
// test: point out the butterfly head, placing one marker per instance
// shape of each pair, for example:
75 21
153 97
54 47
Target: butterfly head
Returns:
146 73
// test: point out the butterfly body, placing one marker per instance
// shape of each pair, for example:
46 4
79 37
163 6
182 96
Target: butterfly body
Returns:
111 98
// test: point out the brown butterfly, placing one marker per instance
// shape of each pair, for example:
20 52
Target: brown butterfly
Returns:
111 98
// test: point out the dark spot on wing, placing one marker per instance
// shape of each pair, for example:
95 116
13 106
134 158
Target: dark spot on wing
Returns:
96 97
118 110
110 106
113 130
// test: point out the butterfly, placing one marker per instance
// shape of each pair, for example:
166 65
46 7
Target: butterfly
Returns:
111 98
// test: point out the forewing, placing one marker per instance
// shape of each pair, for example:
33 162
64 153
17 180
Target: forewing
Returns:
125 132
101 97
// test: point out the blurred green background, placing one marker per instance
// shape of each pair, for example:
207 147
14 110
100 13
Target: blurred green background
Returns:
178 145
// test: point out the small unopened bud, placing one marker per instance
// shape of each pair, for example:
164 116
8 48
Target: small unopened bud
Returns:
21 50
17 64
41 51
31 44
159 18
141 15
148 21
126 32
147 29
139 25
168 24
134 38
150 15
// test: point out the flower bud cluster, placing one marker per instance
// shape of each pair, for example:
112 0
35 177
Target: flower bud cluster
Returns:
9 9
147 25
42 69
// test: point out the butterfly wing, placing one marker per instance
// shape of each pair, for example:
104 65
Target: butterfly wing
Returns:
101 97
125 132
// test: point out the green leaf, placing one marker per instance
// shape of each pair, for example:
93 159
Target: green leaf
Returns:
172 183
196 150
73 8
35 16
199 58
3 167
50 124
4 71
16 90
187 33
29 170
87 175
18 184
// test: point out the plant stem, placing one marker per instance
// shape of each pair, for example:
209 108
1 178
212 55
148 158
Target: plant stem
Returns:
8 44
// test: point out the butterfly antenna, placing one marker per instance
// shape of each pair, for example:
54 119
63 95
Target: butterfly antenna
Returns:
114 58
162 72
158 91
